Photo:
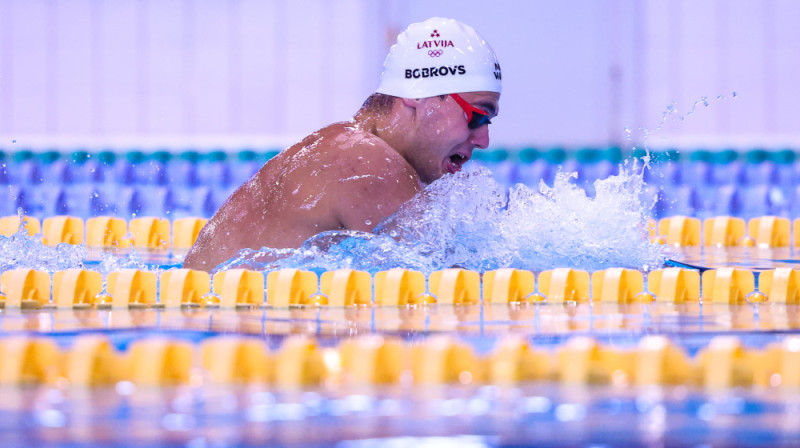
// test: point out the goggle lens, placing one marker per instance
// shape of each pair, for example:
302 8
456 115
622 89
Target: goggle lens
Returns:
476 117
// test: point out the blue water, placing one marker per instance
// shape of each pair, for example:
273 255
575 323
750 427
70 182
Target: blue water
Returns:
467 219
471 220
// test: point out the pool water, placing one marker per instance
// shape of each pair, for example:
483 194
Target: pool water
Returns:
478 221
540 416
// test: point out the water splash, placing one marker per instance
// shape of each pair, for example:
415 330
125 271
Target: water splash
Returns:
110 262
468 220
673 113
21 250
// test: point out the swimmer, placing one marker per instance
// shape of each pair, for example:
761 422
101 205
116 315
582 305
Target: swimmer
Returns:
439 89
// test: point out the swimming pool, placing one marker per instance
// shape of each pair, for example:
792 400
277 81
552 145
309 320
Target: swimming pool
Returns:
602 329
178 183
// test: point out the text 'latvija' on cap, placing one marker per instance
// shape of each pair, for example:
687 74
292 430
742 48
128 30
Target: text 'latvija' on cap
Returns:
437 57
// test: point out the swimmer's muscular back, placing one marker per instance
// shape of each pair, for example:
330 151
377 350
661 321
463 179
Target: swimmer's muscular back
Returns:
337 178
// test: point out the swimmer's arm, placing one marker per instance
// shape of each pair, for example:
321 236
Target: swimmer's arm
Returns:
366 199
219 239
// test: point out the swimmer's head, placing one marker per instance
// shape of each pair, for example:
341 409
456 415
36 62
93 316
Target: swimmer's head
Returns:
439 57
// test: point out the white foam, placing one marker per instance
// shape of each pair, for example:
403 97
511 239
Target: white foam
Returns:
23 251
464 219
468 220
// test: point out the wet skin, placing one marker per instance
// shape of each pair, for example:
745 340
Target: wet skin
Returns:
347 176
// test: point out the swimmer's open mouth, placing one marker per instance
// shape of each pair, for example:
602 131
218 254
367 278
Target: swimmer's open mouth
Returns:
457 161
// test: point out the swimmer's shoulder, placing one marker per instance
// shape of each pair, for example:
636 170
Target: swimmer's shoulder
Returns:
364 151
371 169
341 150
372 179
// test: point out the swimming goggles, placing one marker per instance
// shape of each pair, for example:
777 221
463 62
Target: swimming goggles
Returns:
475 117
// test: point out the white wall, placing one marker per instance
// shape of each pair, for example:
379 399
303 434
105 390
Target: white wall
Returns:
189 73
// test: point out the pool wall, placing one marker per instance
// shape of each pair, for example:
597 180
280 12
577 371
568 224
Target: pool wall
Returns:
178 183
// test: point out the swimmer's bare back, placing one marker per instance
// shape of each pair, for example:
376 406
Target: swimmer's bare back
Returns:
340 177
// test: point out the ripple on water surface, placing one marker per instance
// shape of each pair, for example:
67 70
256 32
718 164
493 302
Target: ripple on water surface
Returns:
464 219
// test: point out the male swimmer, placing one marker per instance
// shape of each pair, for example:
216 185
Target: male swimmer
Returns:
439 88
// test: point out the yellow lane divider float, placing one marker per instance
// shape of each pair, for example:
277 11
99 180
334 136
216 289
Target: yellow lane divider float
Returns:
76 288
159 233
371 360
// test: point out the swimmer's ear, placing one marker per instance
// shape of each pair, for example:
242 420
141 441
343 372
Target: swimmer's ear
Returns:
411 102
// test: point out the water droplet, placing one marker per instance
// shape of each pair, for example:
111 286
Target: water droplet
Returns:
469 220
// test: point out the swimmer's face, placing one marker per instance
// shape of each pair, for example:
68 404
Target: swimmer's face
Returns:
445 141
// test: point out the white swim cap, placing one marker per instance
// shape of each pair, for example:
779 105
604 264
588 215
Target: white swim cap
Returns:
437 57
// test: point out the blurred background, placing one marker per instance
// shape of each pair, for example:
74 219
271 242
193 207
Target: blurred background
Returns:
233 73
164 107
